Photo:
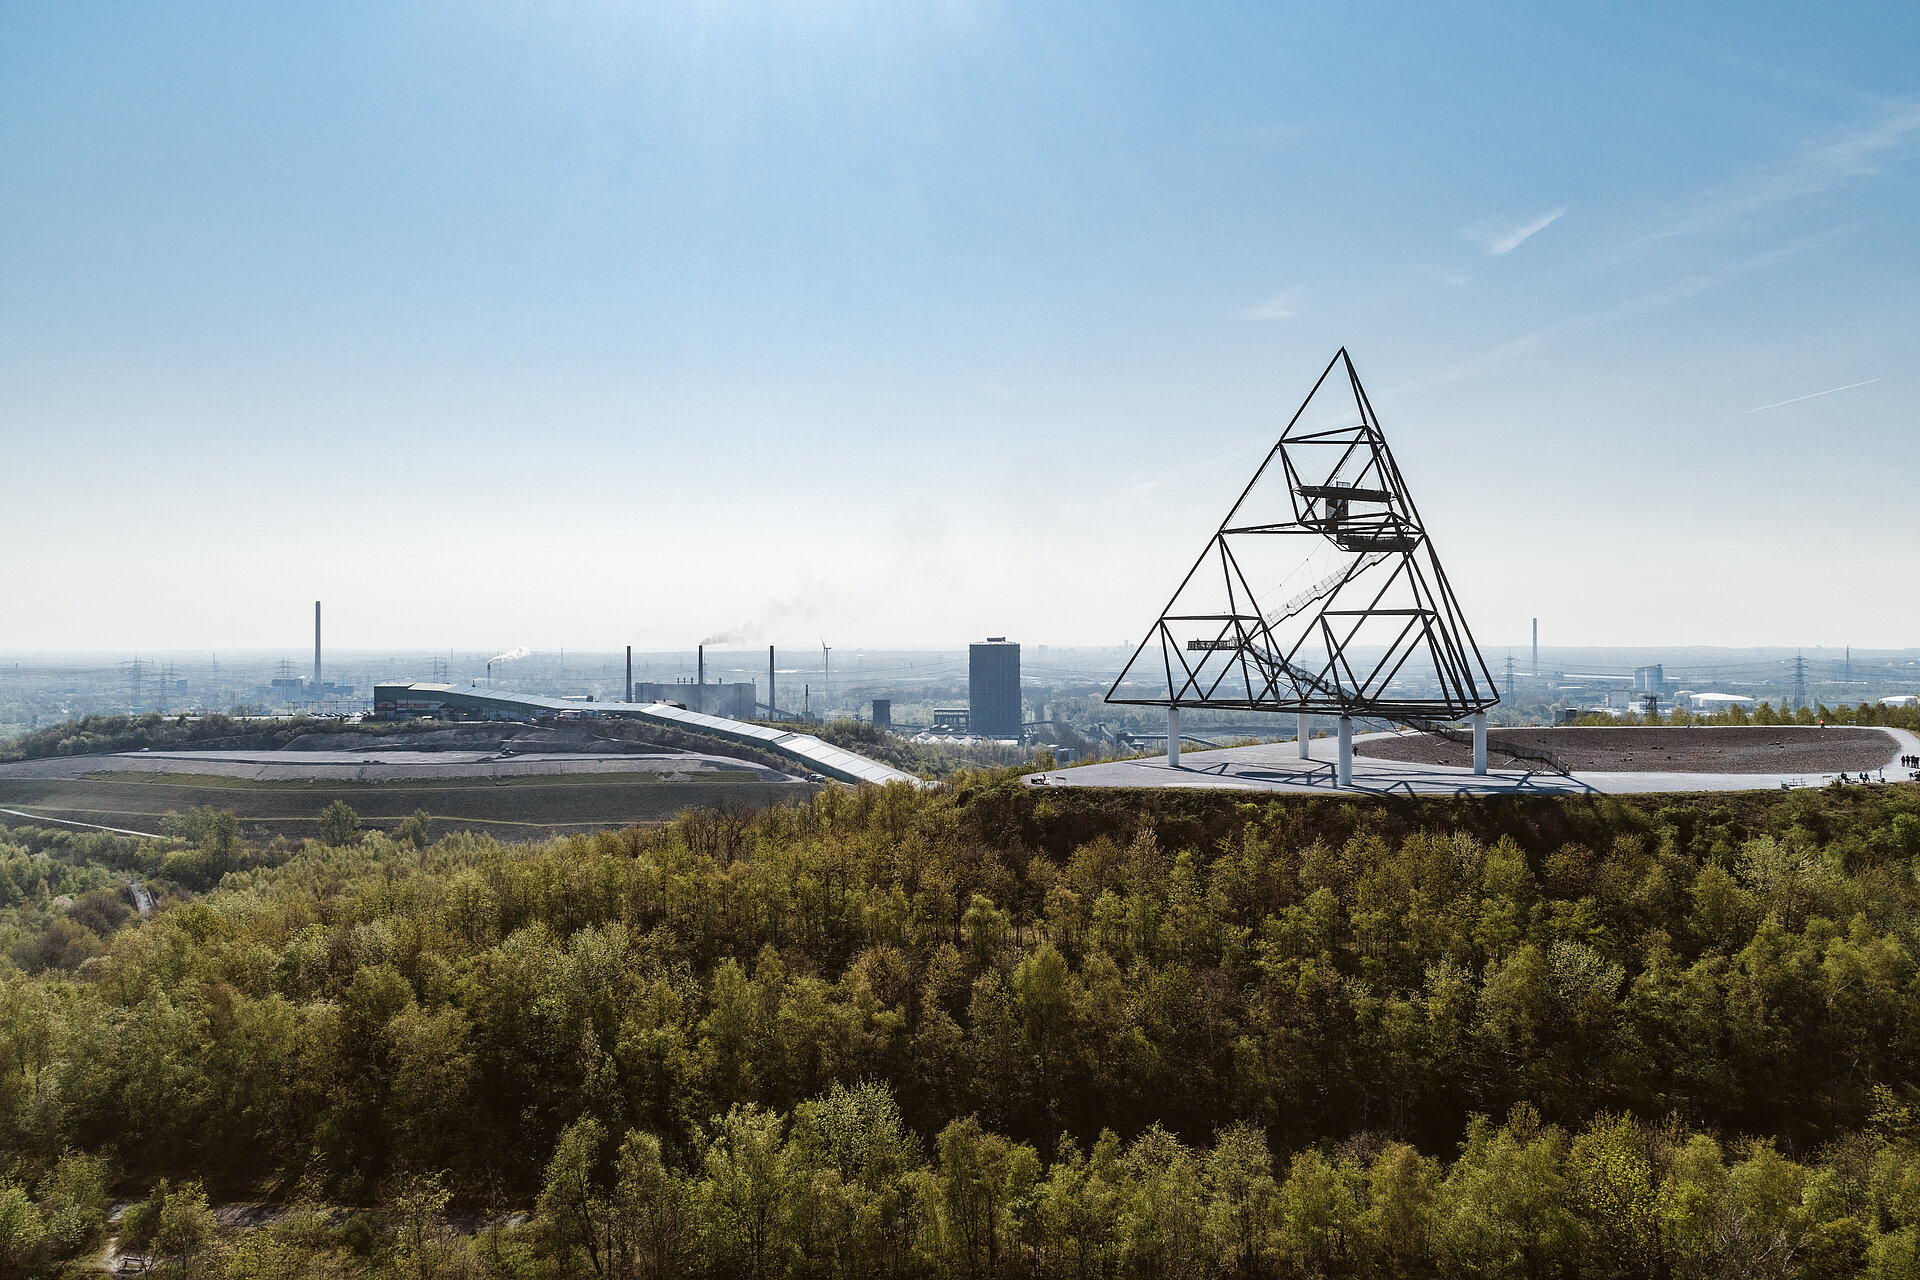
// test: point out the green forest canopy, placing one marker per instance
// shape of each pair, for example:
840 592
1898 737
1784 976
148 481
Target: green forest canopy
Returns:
989 1031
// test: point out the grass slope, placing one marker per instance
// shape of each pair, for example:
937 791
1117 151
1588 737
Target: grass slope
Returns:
513 809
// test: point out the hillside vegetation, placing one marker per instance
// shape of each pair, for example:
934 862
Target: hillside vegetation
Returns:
984 1031
90 735
923 759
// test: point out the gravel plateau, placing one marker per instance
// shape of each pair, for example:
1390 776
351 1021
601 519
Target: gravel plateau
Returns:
1678 749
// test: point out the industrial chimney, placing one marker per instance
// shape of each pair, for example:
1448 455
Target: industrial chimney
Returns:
316 646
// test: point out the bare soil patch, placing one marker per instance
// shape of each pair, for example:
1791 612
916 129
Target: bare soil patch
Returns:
1730 749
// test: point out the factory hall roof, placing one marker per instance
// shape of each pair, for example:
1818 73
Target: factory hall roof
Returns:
803 748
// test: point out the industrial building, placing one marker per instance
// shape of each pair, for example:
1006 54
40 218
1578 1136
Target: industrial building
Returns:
290 688
993 689
735 701
400 700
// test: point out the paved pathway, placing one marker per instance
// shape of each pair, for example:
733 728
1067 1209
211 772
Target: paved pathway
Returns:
91 826
1277 766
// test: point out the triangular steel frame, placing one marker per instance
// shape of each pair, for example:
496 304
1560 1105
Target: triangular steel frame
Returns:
1391 585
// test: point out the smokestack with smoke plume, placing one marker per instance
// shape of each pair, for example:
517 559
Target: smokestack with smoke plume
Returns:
771 617
511 655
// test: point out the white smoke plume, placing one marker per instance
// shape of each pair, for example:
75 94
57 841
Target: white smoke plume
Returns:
511 655
774 614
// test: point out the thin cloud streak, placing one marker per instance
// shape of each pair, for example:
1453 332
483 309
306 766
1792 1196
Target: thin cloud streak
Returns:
1501 243
1671 295
1278 307
1693 286
1813 395
1857 151
1862 149
1486 362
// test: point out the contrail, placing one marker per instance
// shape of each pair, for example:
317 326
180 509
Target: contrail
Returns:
1797 399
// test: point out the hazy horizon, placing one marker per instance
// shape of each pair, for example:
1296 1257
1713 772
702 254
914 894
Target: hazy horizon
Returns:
848 658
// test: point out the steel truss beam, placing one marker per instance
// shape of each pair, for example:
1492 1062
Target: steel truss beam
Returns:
1388 639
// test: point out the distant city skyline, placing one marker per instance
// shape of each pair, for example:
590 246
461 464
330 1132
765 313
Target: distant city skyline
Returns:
905 326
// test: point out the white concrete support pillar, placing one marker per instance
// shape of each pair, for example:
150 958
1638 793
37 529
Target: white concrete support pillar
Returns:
1479 742
1304 733
1173 737
1343 771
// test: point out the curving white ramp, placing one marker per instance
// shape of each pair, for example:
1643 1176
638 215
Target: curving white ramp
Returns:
803 749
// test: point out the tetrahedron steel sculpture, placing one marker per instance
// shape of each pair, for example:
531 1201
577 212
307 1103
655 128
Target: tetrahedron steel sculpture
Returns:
1321 592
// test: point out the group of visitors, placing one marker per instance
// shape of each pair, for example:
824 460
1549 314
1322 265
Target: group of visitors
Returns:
1910 763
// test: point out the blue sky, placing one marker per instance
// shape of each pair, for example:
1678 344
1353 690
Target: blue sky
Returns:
587 324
